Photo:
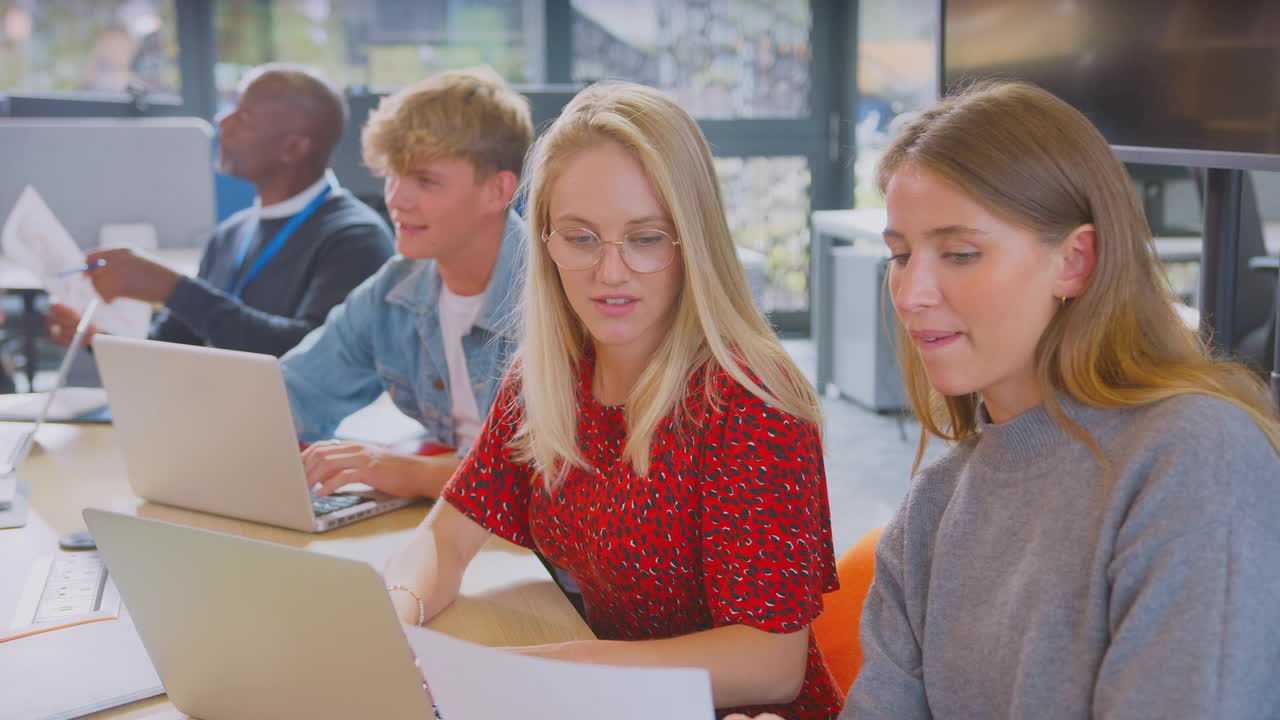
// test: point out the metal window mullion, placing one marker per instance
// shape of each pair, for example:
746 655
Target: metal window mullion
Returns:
557 21
196 57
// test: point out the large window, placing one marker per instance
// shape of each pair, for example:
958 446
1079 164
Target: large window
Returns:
744 69
721 59
775 117
767 204
88 46
379 43
897 74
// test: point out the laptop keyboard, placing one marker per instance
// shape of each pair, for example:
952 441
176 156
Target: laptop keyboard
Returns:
325 504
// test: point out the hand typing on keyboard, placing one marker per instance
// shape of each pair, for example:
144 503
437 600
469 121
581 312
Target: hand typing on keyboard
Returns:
332 464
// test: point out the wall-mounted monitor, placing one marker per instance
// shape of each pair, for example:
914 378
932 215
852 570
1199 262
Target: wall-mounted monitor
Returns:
1182 82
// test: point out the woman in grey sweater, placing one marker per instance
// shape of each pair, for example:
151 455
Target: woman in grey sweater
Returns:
1103 540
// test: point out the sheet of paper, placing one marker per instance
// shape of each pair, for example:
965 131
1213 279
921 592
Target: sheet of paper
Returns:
381 423
77 671
473 681
34 238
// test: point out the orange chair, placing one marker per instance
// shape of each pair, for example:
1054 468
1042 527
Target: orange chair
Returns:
836 629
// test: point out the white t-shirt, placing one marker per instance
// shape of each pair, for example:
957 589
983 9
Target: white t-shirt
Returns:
457 314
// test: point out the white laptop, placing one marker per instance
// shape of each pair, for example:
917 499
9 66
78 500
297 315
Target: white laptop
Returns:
16 438
245 629
211 430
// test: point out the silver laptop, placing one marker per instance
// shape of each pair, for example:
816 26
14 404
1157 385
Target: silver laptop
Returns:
16 438
240 628
210 430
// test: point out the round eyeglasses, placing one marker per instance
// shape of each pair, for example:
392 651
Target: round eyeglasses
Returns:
644 251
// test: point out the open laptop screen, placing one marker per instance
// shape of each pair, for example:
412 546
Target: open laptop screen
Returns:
20 450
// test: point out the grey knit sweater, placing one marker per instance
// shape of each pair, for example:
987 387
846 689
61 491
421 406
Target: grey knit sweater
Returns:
1015 582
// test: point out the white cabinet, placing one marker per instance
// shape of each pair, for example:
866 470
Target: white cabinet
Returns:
863 364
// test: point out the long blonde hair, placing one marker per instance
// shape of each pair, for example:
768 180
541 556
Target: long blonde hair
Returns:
715 323
1033 159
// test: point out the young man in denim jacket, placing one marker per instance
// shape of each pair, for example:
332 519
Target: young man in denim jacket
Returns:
433 326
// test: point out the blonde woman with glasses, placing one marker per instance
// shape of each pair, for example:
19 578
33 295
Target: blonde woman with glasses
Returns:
654 440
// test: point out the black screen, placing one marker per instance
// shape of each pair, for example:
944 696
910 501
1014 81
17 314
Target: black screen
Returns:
1198 75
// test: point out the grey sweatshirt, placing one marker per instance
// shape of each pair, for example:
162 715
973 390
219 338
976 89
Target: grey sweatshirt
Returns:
1014 582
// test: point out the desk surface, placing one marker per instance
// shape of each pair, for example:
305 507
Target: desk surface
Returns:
507 597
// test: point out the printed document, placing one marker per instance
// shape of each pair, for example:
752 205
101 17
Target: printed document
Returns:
35 239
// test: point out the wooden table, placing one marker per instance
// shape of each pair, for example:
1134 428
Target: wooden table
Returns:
507 598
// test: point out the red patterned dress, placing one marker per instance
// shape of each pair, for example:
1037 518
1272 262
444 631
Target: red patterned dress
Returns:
731 526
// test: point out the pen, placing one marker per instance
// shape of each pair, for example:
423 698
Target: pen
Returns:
100 262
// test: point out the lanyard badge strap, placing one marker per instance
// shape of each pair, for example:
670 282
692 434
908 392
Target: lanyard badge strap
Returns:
264 257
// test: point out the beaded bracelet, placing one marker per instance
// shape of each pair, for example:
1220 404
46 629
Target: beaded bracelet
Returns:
422 608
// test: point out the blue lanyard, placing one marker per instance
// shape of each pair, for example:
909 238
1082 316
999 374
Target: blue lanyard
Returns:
270 251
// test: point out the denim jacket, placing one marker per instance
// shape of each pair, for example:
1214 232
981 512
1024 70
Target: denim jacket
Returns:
387 336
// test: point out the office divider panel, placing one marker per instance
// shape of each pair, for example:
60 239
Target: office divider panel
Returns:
93 172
